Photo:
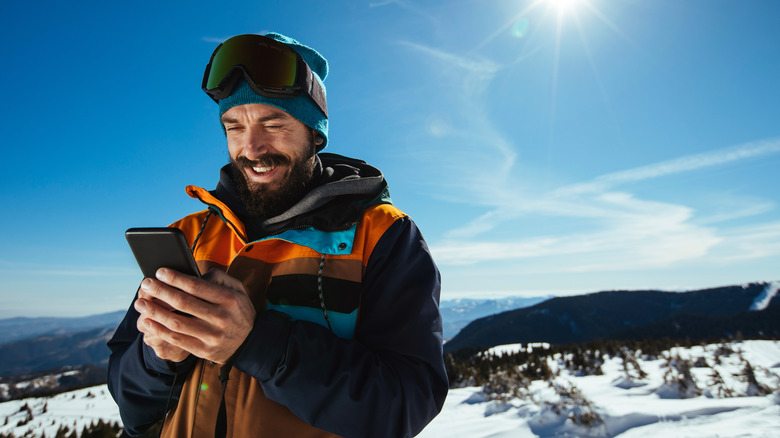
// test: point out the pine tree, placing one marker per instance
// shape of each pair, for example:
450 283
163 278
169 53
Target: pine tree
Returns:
62 432
631 367
701 362
719 385
505 385
679 377
754 387
578 408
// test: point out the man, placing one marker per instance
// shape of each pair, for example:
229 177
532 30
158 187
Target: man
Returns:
319 312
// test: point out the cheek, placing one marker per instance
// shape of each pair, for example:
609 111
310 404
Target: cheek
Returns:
234 148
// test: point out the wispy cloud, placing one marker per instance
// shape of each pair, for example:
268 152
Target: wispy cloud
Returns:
220 40
624 231
633 233
384 3
214 40
679 165
630 232
467 126
407 6
471 64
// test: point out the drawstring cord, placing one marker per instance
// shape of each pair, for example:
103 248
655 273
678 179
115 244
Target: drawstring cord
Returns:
220 429
202 227
168 403
322 296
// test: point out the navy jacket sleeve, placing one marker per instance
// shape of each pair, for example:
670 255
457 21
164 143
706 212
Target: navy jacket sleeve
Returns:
390 380
139 381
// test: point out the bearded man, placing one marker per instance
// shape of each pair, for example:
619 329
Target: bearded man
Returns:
318 315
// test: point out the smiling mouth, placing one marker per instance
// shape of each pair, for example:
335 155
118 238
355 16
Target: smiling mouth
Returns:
263 169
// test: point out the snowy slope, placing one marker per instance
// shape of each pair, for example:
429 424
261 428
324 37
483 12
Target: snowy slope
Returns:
763 299
74 409
629 407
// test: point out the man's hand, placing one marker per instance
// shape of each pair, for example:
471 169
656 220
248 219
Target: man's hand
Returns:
222 315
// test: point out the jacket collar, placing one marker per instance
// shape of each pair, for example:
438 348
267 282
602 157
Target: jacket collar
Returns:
344 187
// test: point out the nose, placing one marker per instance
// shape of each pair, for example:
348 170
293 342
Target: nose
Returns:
256 142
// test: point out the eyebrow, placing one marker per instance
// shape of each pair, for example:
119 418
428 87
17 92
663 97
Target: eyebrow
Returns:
281 115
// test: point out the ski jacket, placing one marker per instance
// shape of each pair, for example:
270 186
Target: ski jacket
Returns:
347 340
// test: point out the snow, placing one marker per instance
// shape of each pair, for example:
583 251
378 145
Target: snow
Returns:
764 298
74 409
514 348
629 407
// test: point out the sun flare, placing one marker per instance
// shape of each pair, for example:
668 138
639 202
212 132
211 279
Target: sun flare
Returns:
563 6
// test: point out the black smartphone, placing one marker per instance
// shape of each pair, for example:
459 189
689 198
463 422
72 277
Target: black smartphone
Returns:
155 248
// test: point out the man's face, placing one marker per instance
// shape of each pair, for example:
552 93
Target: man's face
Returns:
272 155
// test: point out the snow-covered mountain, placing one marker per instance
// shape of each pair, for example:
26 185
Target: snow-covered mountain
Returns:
617 403
752 310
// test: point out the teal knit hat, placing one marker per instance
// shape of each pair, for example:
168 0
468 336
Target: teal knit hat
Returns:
301 107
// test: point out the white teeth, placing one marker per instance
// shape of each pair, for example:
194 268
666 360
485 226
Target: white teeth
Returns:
263 169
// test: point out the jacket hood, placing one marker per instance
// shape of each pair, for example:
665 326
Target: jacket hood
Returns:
342 188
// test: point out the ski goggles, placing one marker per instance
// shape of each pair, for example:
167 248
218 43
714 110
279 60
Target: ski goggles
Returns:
271 68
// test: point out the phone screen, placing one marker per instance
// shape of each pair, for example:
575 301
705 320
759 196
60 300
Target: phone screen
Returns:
155 248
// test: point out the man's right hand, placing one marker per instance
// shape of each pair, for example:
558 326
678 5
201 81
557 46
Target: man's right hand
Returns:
147 306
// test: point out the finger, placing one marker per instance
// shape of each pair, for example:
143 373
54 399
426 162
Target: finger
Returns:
141 322
209 345
171 298
194 335
156 311
149 308
148 289
148 297
160 337
164 350
167 325
219 293
142 293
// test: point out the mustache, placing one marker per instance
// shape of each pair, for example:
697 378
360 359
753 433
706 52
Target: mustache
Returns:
268 160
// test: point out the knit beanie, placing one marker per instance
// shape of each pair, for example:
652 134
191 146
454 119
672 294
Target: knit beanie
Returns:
301 107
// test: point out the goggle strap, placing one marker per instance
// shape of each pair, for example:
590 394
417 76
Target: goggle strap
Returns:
314 90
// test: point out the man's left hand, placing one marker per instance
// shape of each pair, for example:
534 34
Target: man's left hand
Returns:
222 313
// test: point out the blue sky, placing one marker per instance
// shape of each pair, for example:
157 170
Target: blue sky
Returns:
542 147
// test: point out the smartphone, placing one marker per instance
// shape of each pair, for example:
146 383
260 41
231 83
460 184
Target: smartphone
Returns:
155 248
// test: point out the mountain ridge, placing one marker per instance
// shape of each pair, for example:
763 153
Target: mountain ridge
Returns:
719 312
456 313
52 351
23 327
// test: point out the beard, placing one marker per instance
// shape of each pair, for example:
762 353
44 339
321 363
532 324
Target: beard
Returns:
265 201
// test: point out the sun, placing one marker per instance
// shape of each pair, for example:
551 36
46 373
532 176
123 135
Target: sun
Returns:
564 6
